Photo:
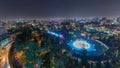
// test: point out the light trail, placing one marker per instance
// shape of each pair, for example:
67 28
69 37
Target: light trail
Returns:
56 34
102 44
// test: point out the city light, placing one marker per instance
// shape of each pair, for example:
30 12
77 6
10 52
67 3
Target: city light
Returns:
65 43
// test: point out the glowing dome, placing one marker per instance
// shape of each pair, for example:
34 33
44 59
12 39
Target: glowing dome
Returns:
81 44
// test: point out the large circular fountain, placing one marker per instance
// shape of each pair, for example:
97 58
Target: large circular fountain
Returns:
92 47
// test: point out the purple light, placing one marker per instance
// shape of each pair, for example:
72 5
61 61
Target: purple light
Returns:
62 36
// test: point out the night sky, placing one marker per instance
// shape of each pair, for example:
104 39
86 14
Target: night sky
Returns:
59 8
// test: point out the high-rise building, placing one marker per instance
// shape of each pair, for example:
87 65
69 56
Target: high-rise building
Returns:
118 19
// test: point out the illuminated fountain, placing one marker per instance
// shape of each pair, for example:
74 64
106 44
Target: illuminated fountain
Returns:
81 44
92 47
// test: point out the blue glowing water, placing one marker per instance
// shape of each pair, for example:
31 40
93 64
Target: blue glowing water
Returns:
81 44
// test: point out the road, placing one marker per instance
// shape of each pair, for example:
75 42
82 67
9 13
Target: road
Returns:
5 56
